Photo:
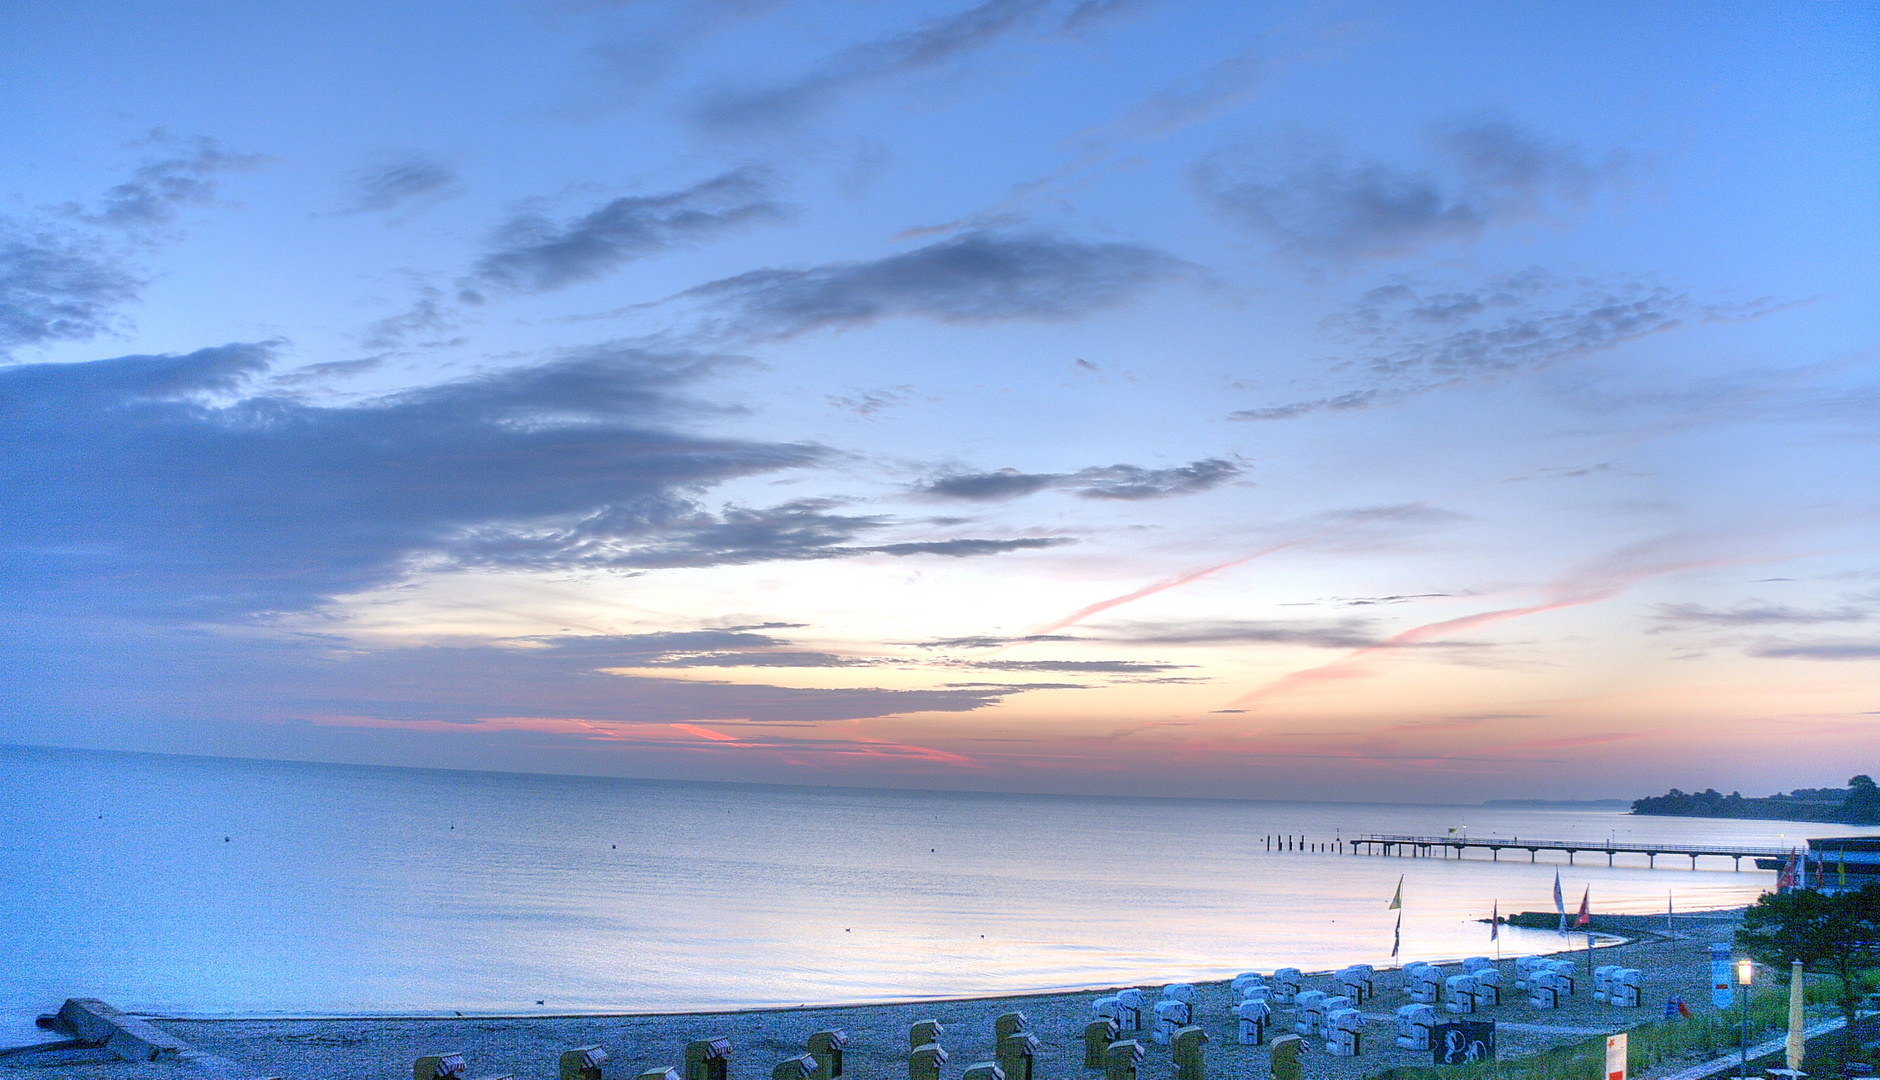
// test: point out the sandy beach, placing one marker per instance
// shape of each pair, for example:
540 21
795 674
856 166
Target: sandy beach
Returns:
384 1048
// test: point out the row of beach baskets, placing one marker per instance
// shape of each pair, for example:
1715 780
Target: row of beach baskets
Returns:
1333 1017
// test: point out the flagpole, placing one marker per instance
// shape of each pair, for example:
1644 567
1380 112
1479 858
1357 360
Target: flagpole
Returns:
1585 918
1396 903
1560 903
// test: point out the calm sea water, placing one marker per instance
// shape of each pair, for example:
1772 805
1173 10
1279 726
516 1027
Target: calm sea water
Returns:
343 890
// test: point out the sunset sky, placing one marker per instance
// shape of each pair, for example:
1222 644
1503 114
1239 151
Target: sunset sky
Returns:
1311 401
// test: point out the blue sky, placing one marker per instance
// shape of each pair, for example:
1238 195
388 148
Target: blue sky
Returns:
1324 400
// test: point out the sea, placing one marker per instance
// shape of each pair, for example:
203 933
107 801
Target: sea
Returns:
200 886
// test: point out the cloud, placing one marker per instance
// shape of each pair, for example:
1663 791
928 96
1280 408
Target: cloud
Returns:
388 187
983 642
158 189
1119 482
1318 204
1337 634
159 485
870 402
1821 650
784 659
331 369
1756 613
1222 84
1359 529
56 286
58 280
965 547
1086 13
672 533
428 319
1354 399
1079 667
932 44
1408 342
975 277
182 676
535 254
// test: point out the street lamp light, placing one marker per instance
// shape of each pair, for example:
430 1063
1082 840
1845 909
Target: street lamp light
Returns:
1745 971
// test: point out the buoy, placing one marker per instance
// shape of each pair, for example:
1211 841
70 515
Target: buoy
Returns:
225 839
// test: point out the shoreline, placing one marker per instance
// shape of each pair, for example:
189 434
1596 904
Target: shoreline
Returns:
1605 939
383 1047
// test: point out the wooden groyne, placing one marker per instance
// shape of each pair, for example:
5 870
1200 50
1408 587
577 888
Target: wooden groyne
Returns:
1424 846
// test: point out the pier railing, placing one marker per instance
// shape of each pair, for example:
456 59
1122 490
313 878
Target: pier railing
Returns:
1400 844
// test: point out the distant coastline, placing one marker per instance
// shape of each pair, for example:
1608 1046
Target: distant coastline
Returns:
1560 804
1856 804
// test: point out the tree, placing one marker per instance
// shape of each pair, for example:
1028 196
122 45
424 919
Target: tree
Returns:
1862 806
1838 934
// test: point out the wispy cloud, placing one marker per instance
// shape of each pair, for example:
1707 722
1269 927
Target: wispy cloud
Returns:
986 642
532 253
966 546
1595 581
1320 529
1076 667
57 286
61 281
670 533
188 174
870 402
1119 482
1820 650
1756 613
1407 341
975 277
395 185
933 43
1221 84
1316 203
428 323
1333 634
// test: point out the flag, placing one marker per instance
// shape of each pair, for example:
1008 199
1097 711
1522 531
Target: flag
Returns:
1494 923
1669 932
1586 911
1396 937
1786 879
1560 903
1397 900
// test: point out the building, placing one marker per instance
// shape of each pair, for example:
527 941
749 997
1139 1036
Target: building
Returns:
1843 863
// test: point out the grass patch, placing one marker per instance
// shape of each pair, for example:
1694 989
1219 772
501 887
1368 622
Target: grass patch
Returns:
1704 1036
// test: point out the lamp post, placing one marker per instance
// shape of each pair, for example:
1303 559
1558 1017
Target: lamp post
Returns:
1745 971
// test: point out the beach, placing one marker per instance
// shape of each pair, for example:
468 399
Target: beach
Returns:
383 1048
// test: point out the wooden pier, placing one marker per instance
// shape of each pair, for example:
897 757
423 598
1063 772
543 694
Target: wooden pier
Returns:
1423 846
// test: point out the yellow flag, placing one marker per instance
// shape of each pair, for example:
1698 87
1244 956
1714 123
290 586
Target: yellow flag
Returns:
1397 900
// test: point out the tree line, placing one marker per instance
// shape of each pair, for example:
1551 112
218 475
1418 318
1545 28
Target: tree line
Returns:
1856 804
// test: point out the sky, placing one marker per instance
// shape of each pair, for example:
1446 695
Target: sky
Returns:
1334 401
